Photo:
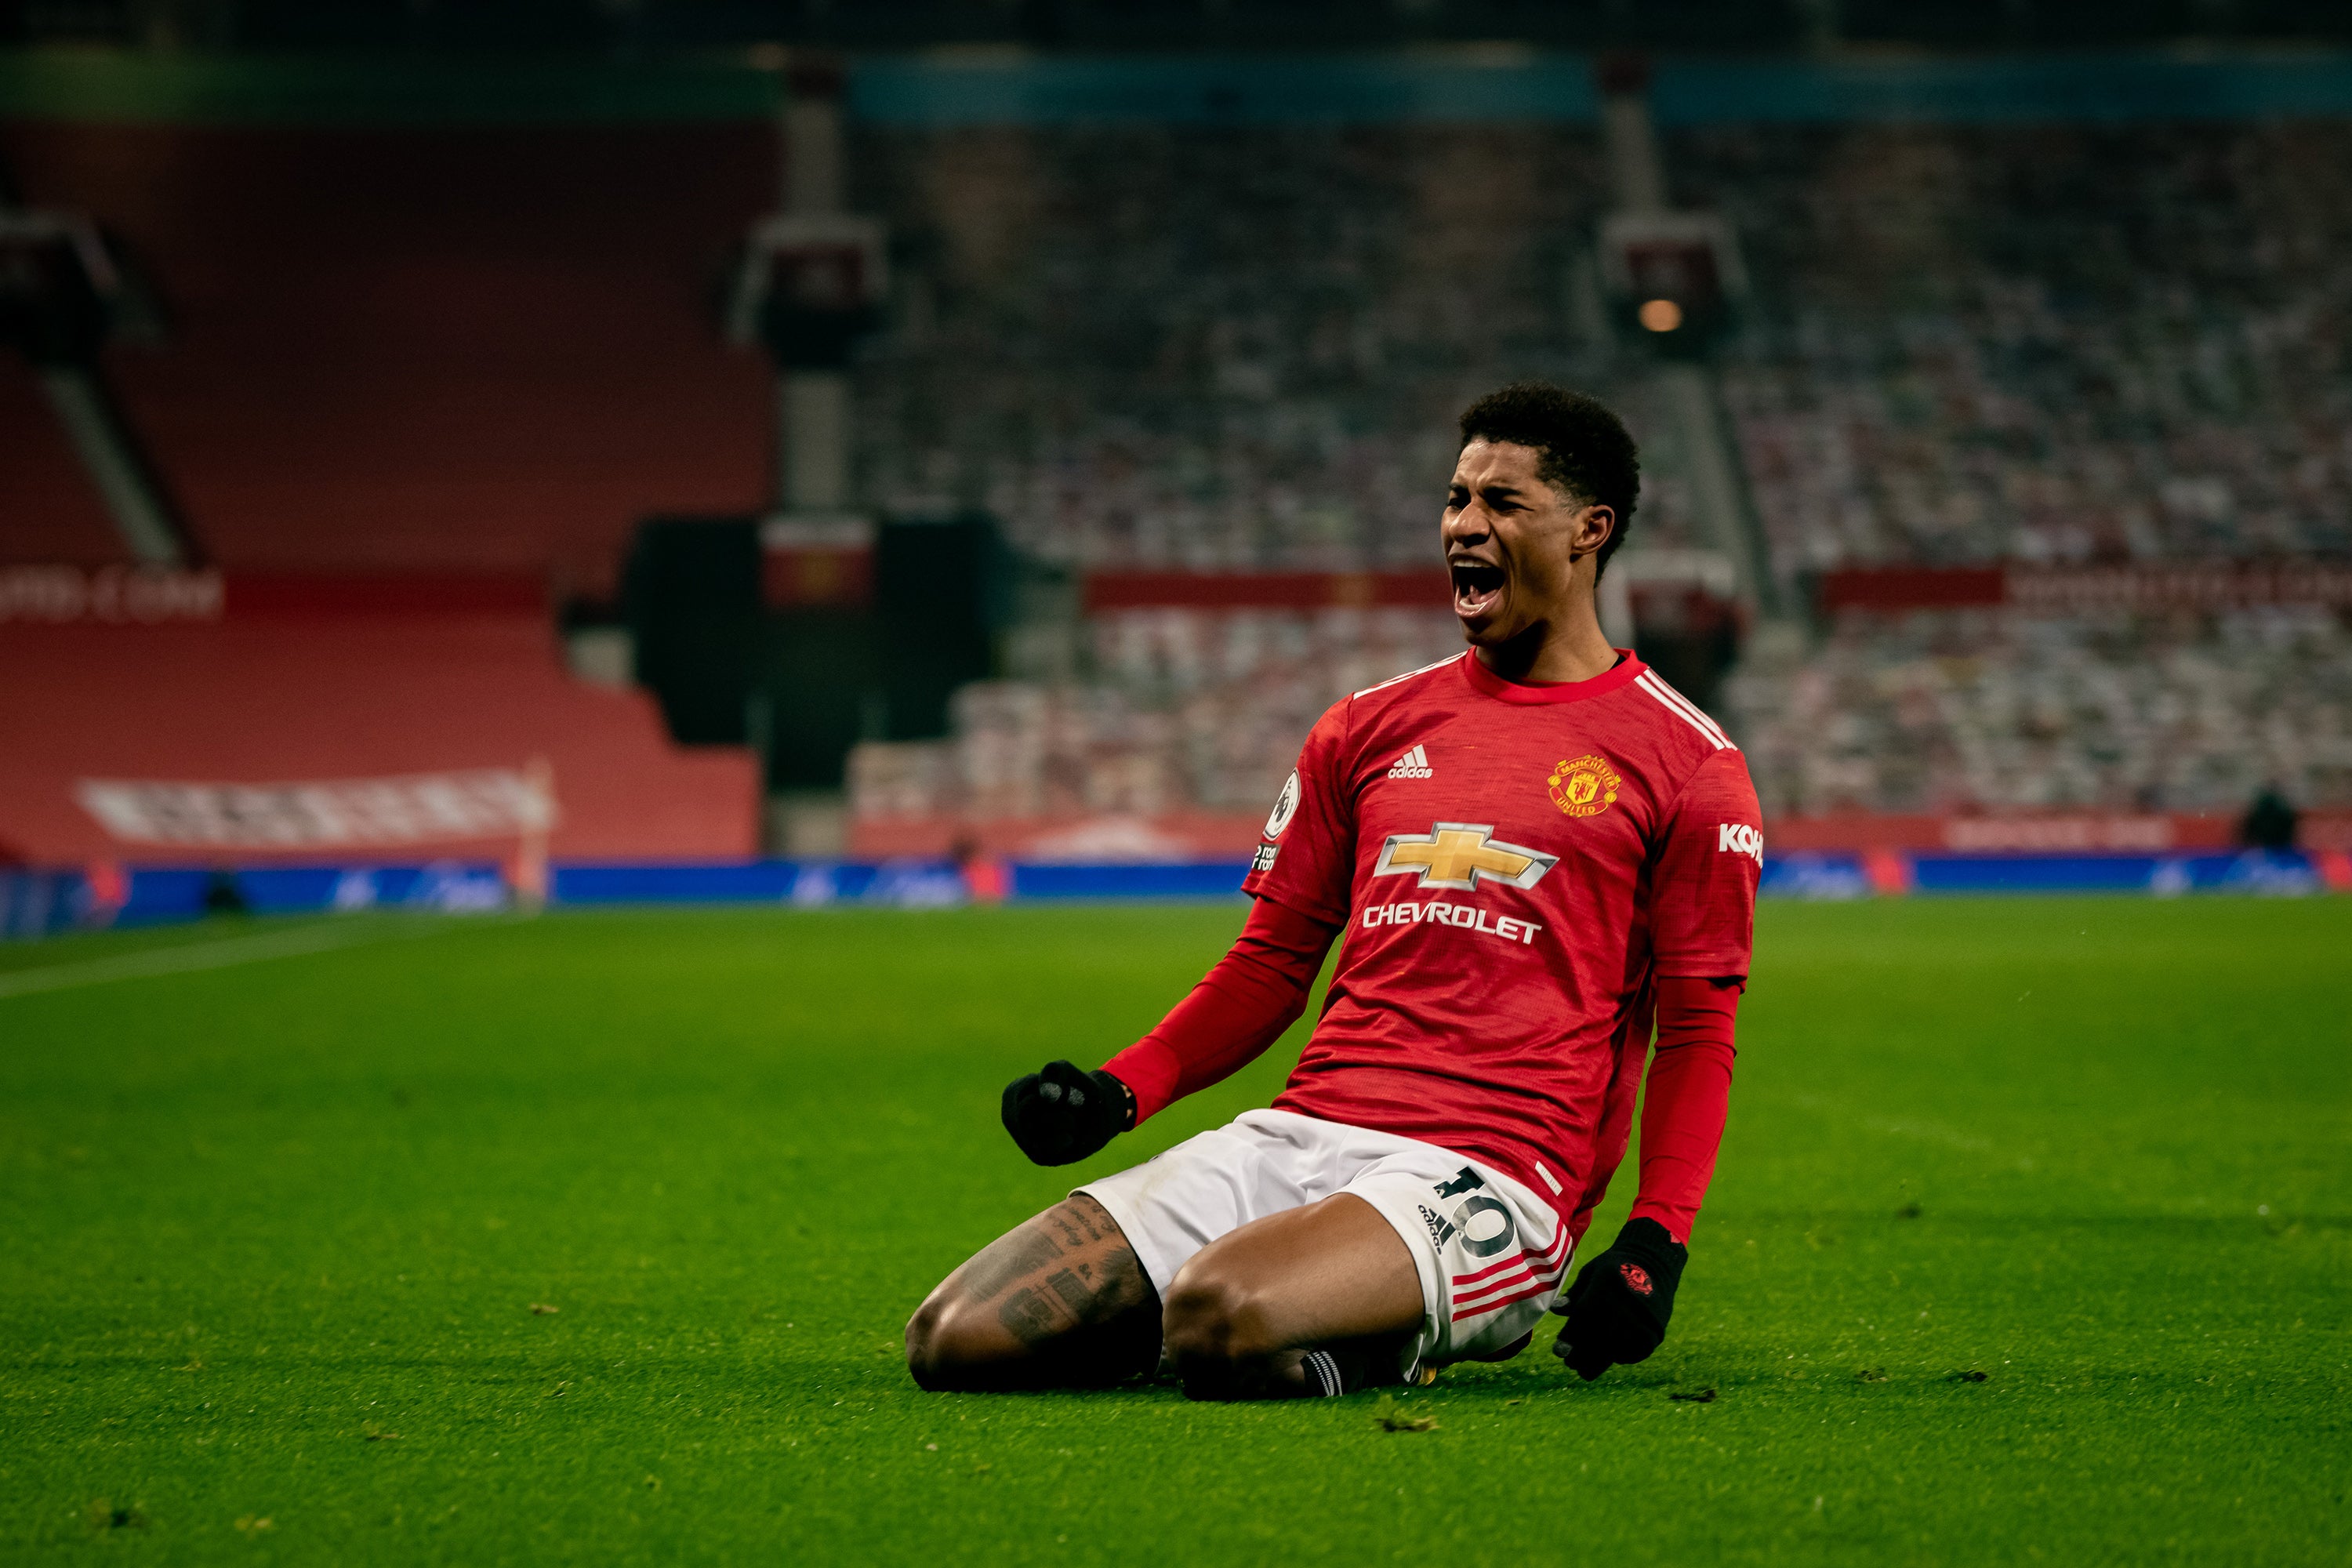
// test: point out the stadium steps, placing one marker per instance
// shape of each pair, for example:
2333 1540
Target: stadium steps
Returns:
50 513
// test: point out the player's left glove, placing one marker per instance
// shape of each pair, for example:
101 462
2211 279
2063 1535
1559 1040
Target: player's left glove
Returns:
1618 1308
1061 1115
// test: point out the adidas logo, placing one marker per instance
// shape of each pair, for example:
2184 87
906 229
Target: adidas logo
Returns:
1413 764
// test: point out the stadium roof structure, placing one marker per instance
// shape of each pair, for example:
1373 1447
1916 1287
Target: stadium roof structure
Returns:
964 87
653 27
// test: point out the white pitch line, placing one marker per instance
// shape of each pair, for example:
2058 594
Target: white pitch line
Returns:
324 937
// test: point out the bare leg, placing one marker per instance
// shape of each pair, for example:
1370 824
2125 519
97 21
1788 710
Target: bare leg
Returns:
1245 1311
1061 1302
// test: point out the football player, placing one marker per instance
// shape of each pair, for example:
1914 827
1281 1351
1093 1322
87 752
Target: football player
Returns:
1539 854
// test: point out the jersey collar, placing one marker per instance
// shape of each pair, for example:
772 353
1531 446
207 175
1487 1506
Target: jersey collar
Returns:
1626 669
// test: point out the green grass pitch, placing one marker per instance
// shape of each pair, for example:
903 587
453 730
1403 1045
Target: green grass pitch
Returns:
277 1236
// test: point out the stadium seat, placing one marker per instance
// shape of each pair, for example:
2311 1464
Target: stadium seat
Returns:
453 349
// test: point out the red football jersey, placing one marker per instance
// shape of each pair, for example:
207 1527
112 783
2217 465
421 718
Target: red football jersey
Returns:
1514 865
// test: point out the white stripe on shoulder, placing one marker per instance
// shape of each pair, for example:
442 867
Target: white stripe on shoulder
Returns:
1658 684
1685 706
1408 675
1681 708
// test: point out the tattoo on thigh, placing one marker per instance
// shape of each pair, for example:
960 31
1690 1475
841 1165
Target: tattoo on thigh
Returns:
1077 1222
1029 1251
1027 1317
1083 1295
1075 1295
1069 1268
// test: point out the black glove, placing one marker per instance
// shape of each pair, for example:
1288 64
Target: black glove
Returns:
1618 1308
1061 1115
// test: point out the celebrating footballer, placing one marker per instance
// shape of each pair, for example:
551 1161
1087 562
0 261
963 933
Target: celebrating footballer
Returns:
1537 854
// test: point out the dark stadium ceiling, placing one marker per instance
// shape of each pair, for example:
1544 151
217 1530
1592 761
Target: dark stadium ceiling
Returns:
637 27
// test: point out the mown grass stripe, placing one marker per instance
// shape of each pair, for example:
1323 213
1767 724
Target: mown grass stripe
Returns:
324 936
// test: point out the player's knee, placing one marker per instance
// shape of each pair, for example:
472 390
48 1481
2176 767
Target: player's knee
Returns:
1215 1324
925 1344
944 1346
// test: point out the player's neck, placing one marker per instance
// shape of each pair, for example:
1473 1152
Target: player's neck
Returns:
1569 647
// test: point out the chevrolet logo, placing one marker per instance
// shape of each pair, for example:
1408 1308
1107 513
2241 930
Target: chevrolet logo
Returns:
1457 854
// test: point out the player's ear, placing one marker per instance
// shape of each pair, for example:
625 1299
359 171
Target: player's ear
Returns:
1594 524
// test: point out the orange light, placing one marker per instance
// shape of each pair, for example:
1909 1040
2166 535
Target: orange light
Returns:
1660 315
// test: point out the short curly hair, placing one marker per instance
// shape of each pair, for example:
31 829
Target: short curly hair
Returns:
1582 447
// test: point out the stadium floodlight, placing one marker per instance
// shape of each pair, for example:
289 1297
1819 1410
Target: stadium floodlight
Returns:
809 286
1676 275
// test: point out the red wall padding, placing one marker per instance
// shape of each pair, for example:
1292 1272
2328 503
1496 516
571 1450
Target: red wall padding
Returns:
308 698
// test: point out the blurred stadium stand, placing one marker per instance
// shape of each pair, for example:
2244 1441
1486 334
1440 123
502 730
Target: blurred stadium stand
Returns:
1163 322
481 349
1999 711
1225 349
2054 344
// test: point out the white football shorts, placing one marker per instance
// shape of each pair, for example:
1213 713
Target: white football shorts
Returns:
1490 1253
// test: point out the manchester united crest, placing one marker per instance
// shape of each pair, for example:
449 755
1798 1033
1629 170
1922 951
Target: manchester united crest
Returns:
1584 787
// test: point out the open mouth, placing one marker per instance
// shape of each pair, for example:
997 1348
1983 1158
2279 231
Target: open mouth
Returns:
1477 587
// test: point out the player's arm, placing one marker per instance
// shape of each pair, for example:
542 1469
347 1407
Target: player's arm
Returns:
1299 881
1621 1301
1703 917
1240 1007
1686 1100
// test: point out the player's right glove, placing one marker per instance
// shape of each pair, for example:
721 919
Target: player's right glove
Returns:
1618 1308
1061 1115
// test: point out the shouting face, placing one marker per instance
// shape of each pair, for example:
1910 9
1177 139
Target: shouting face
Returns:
1521 550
